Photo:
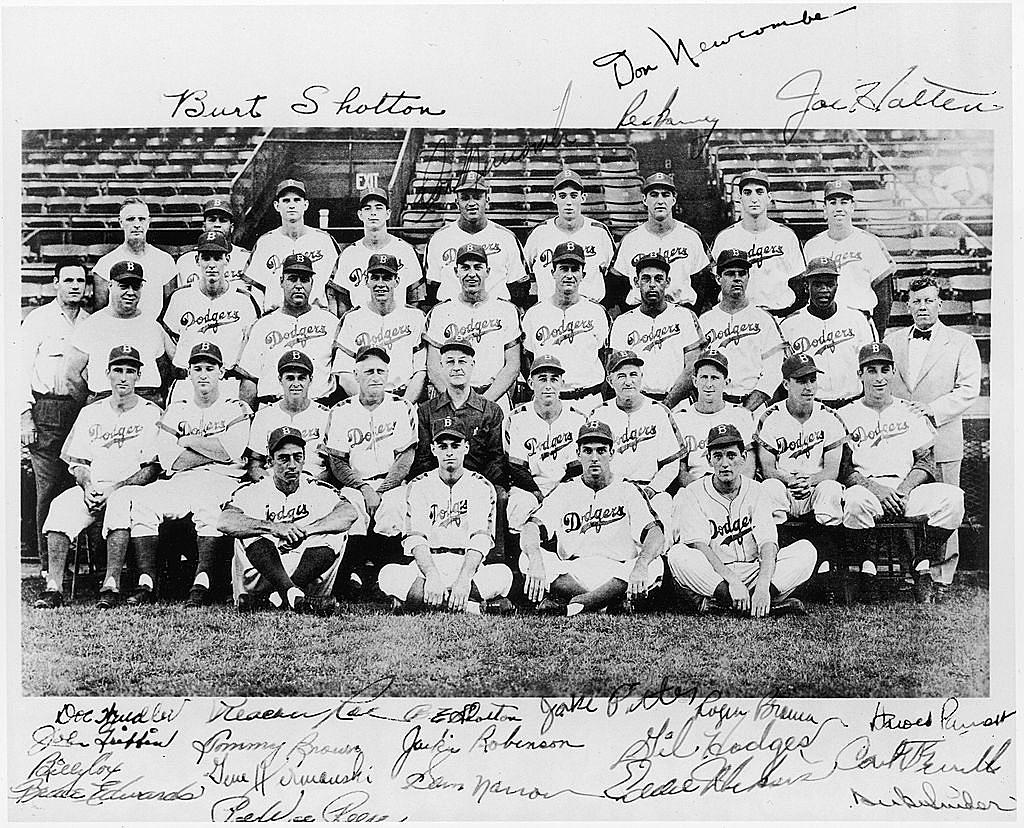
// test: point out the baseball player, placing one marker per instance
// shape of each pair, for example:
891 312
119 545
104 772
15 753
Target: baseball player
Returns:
570 327
748 335
449 530
865 266
695 420
112 446
570 225
539 438
506 273
832 336
296 325
382 323
296 410
666 335
218 217
476 315
890 450
352 278
772 248
726 544
158 264
291 531
210 309
677 242
292 238
200 447
609 542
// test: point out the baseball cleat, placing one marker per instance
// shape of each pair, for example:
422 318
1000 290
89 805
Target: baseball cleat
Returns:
141 596
549 606
788 606
624 606
499 606
940 592
50 599
108 599
397 606
324 607
923 587
246 603
300 604
868 588
198 596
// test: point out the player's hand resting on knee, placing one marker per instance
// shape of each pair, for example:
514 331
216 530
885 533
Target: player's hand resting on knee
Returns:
535 584
891 500
760 602
459 594
637 587
433 591
739 594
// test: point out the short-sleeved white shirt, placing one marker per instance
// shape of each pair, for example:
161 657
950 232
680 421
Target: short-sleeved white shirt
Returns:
460 516
694 425
227 420
311 422
400 333
775 257
751 341
834 344
800 447
645 439
352 276
490 327
598 250
574 334
683 248
158 269
113 444
660 341
192 317
546 447
734 529
100 333
883 442
273 247
504 258
190 269
861 258
371 439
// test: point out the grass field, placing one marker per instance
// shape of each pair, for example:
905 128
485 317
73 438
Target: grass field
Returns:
890 650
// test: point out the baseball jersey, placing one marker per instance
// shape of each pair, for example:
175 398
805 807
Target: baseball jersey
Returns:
227 420
574 334
273 247
683 248
491 326
734 529
400 333
190 268
645 439
504 258
100 333
191 316
834 344
311 500
861 258
608 522
800 447
883 442
774 255
313 333
694 425
114 445
458 516
545 447
598 250
660 341
351 271
158 269
312 422
371 439
751 341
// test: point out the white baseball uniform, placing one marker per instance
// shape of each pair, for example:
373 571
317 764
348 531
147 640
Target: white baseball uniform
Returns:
311 421
751 341
862 260
834 344
158 269
190 270
575 335
646 448
504 258
97 335
371 439
352 276
598 250
400 333
694 425
683 248
490 326
661 341
775 257
274 246
191 317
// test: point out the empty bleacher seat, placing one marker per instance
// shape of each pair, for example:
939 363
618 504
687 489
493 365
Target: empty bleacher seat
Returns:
56 252
98 171
65 205
934 245
208 171
103 205
32 205
113 157
134 171
31 170
61 171
42 188
170 171
181 204
219 157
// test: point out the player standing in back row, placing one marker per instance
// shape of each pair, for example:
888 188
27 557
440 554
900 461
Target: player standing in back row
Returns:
219 218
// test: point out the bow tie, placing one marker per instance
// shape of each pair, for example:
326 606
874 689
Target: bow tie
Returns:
919 334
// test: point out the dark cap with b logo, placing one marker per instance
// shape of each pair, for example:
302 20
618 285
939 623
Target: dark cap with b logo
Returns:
382 263
567 177
546 362
291 184
447 427
284 434
660 180
205 352
297 263
713 357
568 251
124 355
471 251
213 242
724 435
874 352
799 365
594 432
368 351
293 358
126 271
472 180
654 259
822 266
218 204
731 257
374 194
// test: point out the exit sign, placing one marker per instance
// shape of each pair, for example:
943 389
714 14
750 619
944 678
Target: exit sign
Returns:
367 180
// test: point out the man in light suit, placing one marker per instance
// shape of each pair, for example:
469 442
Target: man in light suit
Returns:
938 368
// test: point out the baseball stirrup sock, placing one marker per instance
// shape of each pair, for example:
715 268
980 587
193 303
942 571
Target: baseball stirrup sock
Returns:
146 550
314 563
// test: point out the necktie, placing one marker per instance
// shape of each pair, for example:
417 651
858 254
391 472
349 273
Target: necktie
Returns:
919 334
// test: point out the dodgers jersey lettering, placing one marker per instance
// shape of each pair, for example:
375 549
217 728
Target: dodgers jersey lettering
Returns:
158 269
734 529
883 442
352 276
862 260
661 341
190 269
97 335
460 516
800 447
574 334
192 317
273 247
546 447
114 445
400 333
371 439
311 500
693 427
645 440
598 250
751 341
311 422
774 255
683 248
227 420
504 258
834 344
491 326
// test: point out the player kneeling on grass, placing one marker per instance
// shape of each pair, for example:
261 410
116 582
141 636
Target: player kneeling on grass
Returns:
450 518
291 529
727 546
608 539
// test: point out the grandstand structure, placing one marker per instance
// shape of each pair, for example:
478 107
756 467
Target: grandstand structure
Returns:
73 182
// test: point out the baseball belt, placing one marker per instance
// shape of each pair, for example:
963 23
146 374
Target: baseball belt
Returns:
152 394
580 393
658 396
732 398
833 404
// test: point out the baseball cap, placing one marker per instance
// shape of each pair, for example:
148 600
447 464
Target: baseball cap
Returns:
126 271
838 187
874 352
732 256
374 193
291 184
298 263
567 177
799 365
568 251
384 262
620 358
713 357
471 180
458 345
659 179
124 354
654 259
753 175
471 251
821 266
284 434
218 204
447 427
724 435
205 352
294 359
595 431
213 242
368 351
546 362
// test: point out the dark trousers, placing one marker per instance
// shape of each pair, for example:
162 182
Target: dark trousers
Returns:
53 417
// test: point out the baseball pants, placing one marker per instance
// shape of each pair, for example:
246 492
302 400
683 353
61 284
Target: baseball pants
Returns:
944 571
521 504
941 503
389 519
247 579
196 492
825 501
69 515
53 417
691 568
491 580
592 571
586 404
